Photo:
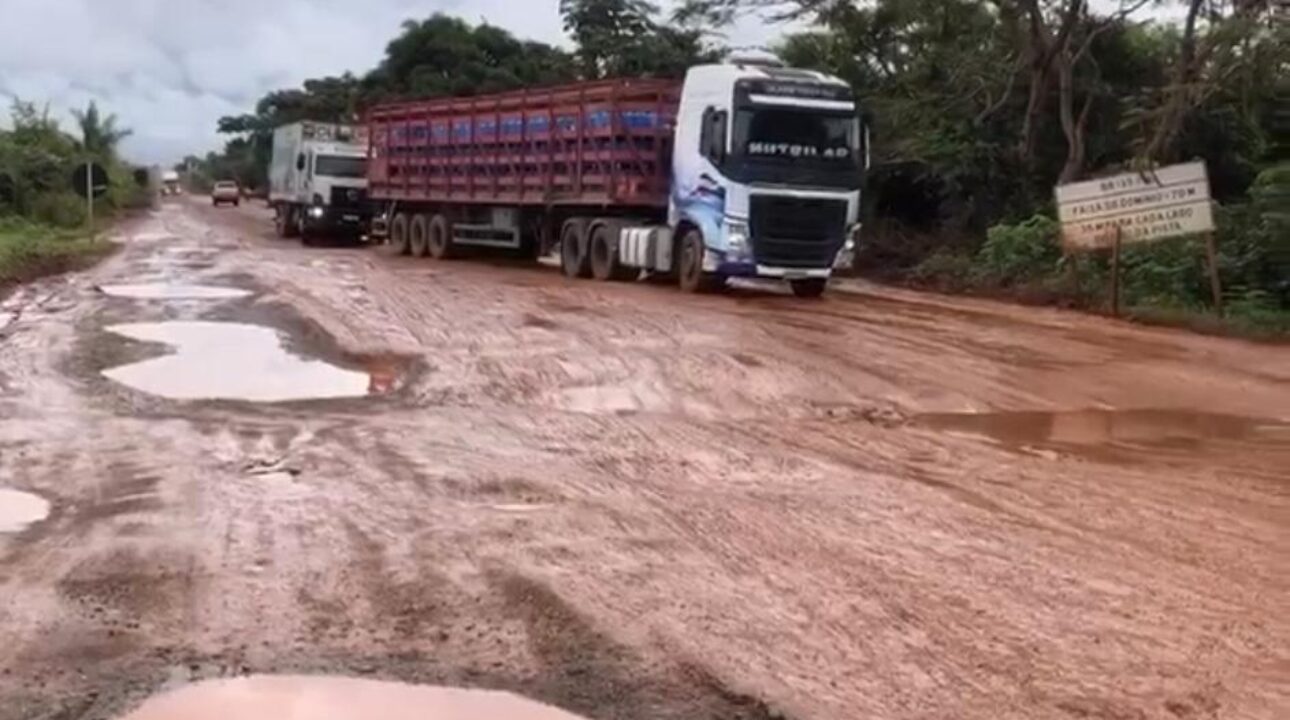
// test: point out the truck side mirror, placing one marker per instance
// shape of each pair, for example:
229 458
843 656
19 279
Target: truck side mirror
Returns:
300 161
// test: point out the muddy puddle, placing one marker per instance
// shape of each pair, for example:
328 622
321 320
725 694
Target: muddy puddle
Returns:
1104 428
18 510
235 361
327 698
164 291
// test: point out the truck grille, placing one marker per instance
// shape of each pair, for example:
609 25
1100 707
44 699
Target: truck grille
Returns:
345 197
796 232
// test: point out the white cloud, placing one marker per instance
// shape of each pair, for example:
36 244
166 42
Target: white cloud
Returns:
170 68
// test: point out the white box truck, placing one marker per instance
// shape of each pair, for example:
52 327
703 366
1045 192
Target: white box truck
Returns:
318 181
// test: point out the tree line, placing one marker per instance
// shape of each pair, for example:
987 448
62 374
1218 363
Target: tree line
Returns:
37 158
978 108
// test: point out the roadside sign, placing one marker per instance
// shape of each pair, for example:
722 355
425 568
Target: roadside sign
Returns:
1155 205
89 178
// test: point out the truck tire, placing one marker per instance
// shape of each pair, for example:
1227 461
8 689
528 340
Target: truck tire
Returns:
284 221
689 265
574 260
418 232
603 251
439 238
399 233
303 230
808 287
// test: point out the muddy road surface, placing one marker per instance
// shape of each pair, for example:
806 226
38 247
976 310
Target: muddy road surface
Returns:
225 454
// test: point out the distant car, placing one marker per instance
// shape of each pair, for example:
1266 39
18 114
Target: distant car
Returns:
226 192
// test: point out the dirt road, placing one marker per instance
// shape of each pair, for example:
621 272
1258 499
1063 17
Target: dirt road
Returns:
629 502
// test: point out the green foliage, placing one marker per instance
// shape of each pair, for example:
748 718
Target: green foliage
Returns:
60 209
621 38
446 56
1014 254
29 249
99 134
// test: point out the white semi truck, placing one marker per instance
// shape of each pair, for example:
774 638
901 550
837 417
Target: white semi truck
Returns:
318 180
742 170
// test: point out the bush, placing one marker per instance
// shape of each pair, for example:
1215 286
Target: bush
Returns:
61 209
29 249
946 269
1021 253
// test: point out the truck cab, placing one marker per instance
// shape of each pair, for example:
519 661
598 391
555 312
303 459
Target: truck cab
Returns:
766 174
318 180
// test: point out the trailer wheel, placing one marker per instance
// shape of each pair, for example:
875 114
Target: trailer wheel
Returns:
439 238
284 221
603 249
573 249
690 265
808 287
418 232
399 233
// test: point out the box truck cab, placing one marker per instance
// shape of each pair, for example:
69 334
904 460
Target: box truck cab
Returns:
318 180
766 174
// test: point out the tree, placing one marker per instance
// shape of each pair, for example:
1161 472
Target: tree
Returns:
620 38
99 134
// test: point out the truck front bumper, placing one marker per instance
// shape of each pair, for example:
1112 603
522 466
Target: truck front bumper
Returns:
322 218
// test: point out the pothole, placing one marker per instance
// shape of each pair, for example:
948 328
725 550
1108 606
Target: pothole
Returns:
1092 428
323 698
163 291
19 510
235 361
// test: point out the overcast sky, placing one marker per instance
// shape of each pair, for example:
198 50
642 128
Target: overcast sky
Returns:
170 68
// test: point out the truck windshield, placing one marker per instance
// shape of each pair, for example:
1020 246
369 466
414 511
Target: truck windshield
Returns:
340 166
791 135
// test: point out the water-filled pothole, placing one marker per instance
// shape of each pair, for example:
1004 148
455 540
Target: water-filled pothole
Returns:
1092 428
18 510
163 291
234 361
329 698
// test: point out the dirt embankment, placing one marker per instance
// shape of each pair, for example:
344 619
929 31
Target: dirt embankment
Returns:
633 503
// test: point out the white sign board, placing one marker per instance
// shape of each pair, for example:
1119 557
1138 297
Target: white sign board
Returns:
1164 203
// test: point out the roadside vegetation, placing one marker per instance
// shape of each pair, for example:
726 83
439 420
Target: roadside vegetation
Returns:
43 224
977 107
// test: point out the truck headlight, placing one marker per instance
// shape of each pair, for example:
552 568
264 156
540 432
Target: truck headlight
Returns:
317 211
737 243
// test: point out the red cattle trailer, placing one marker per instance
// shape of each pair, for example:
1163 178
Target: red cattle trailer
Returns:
509 168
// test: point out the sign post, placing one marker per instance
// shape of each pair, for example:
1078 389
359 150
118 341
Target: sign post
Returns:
1115 272
90 181
1215 287
1139 207
89 196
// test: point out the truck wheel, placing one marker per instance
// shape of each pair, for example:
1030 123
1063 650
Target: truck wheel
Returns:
303 230
439 238
418 229
399 233
690 265
603 246
573 249
283 225
808 287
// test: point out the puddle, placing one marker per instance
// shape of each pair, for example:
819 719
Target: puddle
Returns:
161 291
519 507
20 509
325 698
1091 428
233 361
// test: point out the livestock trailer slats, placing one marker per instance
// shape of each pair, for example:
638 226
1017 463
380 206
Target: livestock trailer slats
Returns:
597 143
